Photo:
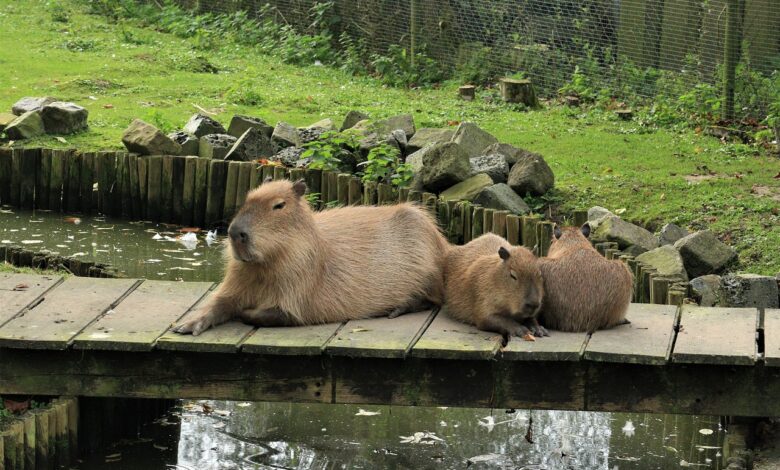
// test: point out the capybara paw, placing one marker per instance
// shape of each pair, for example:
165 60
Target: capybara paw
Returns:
624 321
540 331
396 313
521 331
194 327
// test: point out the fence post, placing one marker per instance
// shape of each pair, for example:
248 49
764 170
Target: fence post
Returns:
731 57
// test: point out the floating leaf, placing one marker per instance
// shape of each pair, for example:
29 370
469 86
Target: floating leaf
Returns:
61 139
21 286
706 432
363 412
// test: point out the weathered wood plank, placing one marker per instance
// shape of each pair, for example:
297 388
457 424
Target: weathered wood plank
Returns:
772 337
64 313
201 192
153 187
14 296
166 189
142 164
134 186
380 337
16 178
87 178
215 185
647 340
724 336
244 182
446 338
56 180
177 208
6 175
559 346
30 167
42 186
294 340
142 317
231 185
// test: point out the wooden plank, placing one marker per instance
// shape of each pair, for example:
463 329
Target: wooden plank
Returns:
166 189
56 180
142 317
355 196
294 340
380 337
723 336
142 165
135 190
177 208
559 346
115 208
243 183
280 173
64 313
30 166
42 186
201 191
528 231
86 181
16 178
256 177
446 338
647 339
513 229
216 191
74 181
14 296
125 192
6 175
342 187
231 186
772 337
188 191
153 182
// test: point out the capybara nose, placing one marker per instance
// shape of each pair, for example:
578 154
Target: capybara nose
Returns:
237 235
531 306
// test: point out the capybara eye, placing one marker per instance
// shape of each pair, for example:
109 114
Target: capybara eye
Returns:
279 205
512 275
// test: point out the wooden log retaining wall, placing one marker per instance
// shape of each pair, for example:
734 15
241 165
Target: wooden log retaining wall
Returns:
23 258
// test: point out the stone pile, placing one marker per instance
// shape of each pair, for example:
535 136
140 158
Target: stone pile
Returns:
36 116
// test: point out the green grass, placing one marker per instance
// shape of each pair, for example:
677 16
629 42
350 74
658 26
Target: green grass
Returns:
598 160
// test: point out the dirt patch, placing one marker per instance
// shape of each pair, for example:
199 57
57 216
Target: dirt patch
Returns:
696 178
765 191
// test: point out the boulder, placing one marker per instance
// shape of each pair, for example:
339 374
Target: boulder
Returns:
403 121
326 125
703 253
443 165
510 152
428 136
494 165
415 161
467 190
31 103
633 250
6 119
670 233
216 146
399 136
614 229
352 118
200 125
597 212
501 197
749 290
250 146
667 260
64 118
531 174
285 135
145 139
239 124
189 143
26 126
472 139
291 156
707 290
310 134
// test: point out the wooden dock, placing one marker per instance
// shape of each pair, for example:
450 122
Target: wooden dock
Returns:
109 338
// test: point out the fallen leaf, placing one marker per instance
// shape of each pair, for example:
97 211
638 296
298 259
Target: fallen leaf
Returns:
21 286
189 229
72 220
108 106
706 432
62 139
358 330
16 406
453 123
620 211
363 412
528 337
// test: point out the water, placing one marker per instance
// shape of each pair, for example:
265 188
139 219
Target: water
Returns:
304 436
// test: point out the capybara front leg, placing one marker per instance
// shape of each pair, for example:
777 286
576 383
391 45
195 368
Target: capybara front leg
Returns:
537 329
506 326
216 312
266 317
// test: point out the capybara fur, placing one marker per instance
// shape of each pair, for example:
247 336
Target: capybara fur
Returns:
494 286
583 291
289 265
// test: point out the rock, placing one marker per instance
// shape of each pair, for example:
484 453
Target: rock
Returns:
326 125
310 134
145 139
500 196
250 146
399 136
6 119
428 136
667 260
703 253
443 165
415 161
597 212
706 290
239 124
26 126
189 143
468 189
200 125
472 139
614 229
749 290
352 118
290 156
670 233
510 152
216 146
494 165
64 118
531 174
285 135
633 250
403 121
30 103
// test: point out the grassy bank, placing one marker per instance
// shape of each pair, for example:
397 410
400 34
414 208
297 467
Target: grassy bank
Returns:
120 72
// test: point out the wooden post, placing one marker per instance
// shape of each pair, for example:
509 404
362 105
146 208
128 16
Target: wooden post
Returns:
142 164
74 182
231 185
188 191
414 196
442 215
43 458
733 42
6 174
166 189
430 201
242 186
456 222
499 223
153 188
370 196
529 231
73 427
16 178
29 166
217 176
355 197
342 183
62 453
177 207
518 91
386 194
314 181
257 176
545 237
513 229
579 218
280 173
87 178
268 172
333 187
487 223
106 178
467 92
477 222
201 191
324 188
126 191
55 180
42 186
135 187
28 423
468 214
296 174
117 189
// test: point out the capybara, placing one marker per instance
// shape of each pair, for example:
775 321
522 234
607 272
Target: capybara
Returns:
583 291
287 265
495 286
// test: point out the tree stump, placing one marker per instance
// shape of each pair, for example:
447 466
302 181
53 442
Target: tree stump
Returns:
518 91
467 92
625 114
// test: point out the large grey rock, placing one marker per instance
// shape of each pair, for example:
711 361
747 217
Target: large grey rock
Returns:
531 174
326 125
467 190
670 233
443 165
703 253
615 229
707 290
285 135
428 136
667 260
750 290
250 146
310 134
31 103
26 126
597 212
501 197
352 118
415 161
403 121
494 165
472 139
6 119
200 125
291 156
145 139
510 152
240 124
399 136
64 118
633 250
189 143
216 146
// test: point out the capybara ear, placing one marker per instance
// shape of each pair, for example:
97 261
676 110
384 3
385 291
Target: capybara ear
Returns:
268 179
585 229
557 231
299 187
503 253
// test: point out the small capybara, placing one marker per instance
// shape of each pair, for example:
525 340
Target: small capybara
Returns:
495 286
287 265
583 291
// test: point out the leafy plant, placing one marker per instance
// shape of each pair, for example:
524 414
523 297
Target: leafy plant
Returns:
59 13
580 86
155 117
398 69
79 45
383 166
245 92
323 153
